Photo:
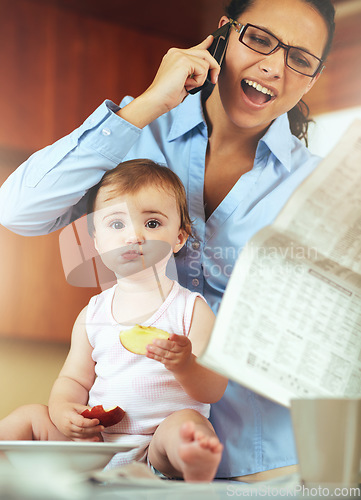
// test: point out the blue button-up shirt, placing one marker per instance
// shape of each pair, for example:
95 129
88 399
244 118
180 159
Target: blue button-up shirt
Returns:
47 192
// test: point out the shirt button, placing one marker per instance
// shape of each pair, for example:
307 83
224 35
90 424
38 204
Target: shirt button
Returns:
195 282
106 131
196 245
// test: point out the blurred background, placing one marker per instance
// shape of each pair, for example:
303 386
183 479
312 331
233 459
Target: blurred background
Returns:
59 60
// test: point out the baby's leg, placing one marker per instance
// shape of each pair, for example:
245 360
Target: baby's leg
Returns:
29 423
185 445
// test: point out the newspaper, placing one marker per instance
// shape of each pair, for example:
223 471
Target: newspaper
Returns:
289 324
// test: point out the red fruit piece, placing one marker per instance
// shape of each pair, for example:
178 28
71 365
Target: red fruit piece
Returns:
106 417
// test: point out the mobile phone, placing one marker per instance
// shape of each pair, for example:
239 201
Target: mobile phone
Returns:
217 50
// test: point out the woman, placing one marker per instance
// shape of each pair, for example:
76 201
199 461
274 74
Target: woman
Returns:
237 158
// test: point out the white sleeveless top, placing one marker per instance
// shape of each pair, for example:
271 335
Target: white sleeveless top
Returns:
143 387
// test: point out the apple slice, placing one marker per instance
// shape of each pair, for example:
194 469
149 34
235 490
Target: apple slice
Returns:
137 338
106 417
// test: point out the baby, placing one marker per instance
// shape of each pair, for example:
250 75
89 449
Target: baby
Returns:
138 218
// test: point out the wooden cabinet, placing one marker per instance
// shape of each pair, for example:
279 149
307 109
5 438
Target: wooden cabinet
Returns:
36 302
339 85
57 66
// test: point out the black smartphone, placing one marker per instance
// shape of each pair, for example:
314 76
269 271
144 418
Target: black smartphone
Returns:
217 50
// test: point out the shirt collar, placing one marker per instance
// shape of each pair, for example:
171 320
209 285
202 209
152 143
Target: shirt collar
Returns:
189 114
186 116
278 140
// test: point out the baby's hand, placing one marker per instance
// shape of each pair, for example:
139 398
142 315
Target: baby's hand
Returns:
77 427
175 353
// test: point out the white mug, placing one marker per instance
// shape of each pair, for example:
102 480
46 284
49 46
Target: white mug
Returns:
328 441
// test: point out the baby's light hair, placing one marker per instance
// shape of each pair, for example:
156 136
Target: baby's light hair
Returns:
131 176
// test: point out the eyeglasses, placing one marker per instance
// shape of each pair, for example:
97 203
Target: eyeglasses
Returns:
263 42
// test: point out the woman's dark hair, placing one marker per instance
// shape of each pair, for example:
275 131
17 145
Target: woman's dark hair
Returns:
299 115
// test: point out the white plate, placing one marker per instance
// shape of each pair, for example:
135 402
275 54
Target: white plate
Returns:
72 455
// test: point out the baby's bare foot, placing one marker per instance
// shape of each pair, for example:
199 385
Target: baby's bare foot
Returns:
200 454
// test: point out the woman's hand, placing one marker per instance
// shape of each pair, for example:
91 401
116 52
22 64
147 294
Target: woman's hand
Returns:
175 353
71 423
181 70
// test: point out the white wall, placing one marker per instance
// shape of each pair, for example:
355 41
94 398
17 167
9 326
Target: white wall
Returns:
28 370
328 129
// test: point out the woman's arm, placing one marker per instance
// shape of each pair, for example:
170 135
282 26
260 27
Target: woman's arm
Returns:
70 392
179 355
47 191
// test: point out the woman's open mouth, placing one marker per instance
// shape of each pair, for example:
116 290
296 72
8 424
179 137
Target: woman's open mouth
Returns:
256 93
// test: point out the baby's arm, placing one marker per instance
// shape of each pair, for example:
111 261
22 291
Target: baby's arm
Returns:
70 391
179 354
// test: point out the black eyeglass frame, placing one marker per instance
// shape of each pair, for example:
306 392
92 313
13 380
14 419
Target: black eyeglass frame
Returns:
241 29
